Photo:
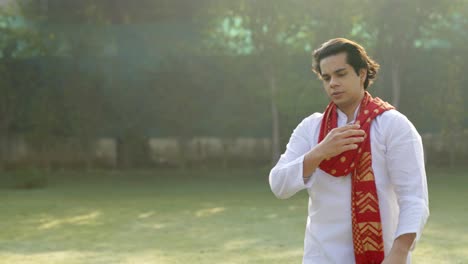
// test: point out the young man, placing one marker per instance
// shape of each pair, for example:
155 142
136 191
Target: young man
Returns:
361 162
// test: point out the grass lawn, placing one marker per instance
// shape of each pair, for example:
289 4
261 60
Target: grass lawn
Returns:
200 216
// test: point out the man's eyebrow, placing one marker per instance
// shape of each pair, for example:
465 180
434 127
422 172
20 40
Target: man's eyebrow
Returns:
340 70
337 71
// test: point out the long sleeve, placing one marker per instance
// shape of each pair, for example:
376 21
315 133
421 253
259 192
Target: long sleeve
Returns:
405 161
286 177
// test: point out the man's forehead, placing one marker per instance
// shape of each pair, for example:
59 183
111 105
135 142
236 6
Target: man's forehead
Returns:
333 63
333 68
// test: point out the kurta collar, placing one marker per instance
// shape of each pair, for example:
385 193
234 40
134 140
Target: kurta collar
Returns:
342 117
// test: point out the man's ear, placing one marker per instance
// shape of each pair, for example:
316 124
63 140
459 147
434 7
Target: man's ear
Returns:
363 75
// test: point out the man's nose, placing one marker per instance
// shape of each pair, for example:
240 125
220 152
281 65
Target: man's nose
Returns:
333 82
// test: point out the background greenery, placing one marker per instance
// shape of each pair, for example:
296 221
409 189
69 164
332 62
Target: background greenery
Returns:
131 70
152 68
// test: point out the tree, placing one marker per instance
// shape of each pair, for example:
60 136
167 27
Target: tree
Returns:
446 39
113 33
397 25
268 30
18 43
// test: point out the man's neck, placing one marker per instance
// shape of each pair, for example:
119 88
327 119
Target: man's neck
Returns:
350 110
350 113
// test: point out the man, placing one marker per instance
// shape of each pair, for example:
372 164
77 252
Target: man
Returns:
361 162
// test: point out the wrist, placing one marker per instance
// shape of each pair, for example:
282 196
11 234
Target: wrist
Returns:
317 154
402 244
312 160
400 250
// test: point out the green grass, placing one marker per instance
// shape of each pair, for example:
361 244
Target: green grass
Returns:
200 216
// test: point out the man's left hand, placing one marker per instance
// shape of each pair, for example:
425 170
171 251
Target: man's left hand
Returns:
400 249
395 258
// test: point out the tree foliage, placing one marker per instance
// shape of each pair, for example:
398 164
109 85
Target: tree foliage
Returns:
135 69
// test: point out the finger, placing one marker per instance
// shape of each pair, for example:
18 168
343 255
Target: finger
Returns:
349 147
347 127
353 140
352 133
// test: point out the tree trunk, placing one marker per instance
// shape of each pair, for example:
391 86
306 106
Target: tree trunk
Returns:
4 149
396 83
184 155
275 136
453 149
122 159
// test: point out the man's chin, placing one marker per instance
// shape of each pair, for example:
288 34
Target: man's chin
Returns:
338 102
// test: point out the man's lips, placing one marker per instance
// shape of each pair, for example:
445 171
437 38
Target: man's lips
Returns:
336 93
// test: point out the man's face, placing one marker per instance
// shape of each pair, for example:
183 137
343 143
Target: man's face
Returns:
342 85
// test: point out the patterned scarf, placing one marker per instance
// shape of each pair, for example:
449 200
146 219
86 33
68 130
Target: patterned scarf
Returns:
366 223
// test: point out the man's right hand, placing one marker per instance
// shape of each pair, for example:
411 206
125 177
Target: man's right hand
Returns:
339 140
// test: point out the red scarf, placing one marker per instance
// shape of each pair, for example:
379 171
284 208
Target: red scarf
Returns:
366 223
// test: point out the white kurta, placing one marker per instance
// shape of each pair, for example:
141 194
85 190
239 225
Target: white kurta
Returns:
398 164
